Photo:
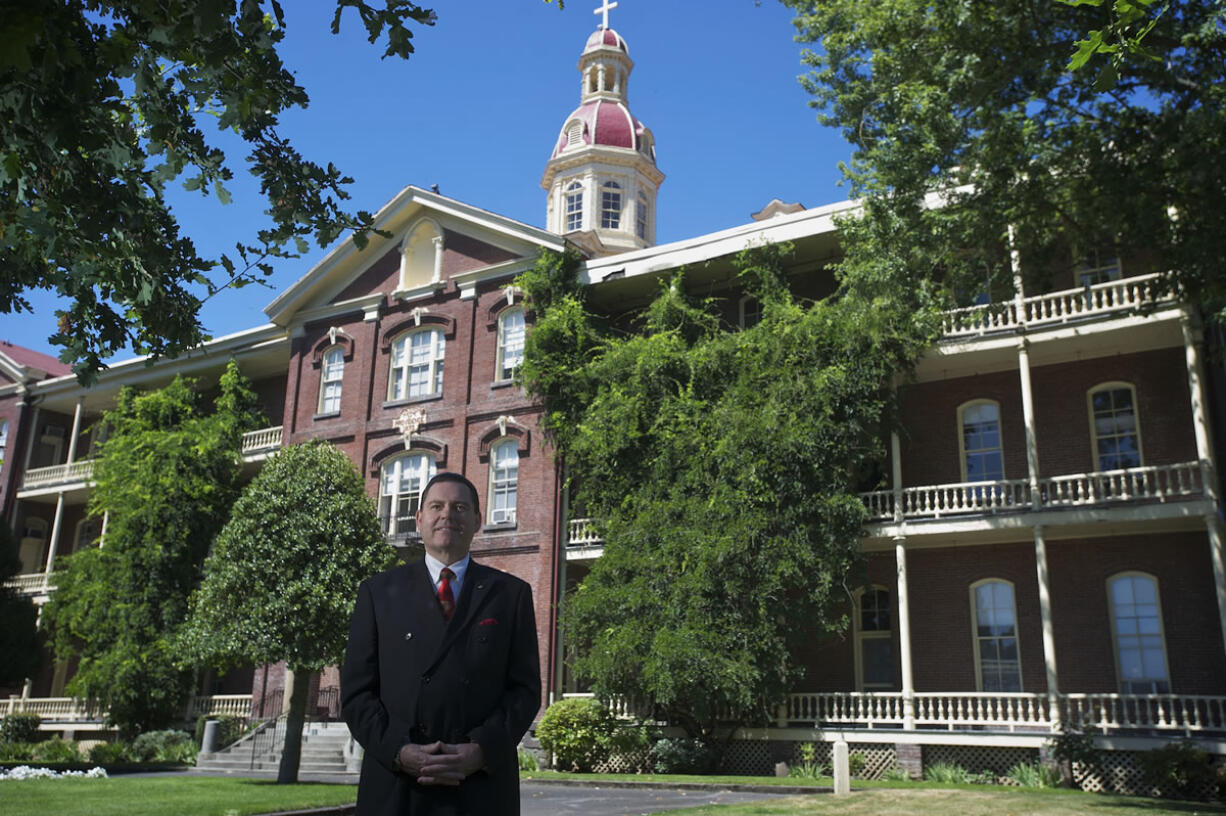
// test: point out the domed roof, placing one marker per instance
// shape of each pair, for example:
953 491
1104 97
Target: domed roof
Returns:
604 122
605 36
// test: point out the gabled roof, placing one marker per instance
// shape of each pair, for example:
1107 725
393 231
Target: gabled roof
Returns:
23 364
346 262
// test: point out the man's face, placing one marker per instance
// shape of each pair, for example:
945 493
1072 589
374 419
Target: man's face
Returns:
447 521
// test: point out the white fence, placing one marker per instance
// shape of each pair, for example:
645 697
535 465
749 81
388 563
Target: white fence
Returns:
1157 483
582 533
1056 307
80 471
214 705
262 440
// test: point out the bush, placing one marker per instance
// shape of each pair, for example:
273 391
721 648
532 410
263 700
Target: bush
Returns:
528 761
164 746
17 751
856 763
680 756
56 749
1075 747
1182 768
109 753
896 774
580 733
950 774
1033 775
19 727
808 767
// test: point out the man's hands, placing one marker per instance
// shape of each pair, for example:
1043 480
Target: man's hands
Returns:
441 763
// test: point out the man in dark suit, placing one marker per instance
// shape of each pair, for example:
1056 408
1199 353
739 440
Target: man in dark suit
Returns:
441 676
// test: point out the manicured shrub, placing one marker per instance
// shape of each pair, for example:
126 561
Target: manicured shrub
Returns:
682 756
19 727
109 753
57 749
580 733
17 751
164 746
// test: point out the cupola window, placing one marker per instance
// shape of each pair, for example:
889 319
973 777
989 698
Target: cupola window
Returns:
611 205
574 134
574 206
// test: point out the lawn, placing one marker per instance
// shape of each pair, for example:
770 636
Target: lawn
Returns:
160 796
982 801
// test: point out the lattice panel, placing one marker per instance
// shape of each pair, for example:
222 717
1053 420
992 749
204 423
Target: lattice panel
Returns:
634 762
1122 772
878 759
823 754
749 757
979 758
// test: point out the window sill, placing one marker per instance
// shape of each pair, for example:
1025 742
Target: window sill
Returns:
412 400
328 415
501 527
496 384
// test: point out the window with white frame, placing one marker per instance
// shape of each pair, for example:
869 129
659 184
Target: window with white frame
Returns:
504 481
997 657
640 217
874 645
1136 621
611 205
982 456
574 206
88 531
332 370
400 491
417 365
4 439
511 330
1113 423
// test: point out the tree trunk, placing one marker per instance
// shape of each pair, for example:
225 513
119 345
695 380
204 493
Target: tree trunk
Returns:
291 751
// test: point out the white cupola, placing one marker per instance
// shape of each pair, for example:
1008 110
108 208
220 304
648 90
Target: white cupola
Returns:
602 178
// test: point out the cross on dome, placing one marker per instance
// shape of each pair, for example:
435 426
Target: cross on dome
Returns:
604 9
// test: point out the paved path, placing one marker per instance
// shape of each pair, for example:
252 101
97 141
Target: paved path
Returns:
591 800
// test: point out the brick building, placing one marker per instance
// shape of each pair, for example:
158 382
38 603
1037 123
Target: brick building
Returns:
1048 547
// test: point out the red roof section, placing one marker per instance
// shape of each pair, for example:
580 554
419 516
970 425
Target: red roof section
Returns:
606 36
23 356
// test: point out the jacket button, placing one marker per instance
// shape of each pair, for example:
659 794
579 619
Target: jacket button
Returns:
425 678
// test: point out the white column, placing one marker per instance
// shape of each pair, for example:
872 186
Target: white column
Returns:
1032 440
106 517
1049 635
904 634
1208 472
76 430
55 532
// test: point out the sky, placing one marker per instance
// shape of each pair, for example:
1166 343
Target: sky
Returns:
478 107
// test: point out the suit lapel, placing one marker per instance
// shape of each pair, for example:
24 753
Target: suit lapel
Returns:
426 618
479 583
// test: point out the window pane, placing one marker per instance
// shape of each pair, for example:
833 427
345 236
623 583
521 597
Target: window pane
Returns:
878 657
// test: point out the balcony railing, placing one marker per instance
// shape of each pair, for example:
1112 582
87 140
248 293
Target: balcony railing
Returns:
265 439
1156 483
1100 299
79 471
216 705
34 583
583 534
954 711
254 442
54 709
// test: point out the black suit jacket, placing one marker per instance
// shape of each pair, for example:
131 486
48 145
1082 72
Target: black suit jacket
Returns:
410 676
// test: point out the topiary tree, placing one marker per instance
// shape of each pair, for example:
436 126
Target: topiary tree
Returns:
280 582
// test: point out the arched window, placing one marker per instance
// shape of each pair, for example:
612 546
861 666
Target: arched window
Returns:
504 481
574 206
998 663
1136 623
1114 426
611 205
511 330
640 217
982 457
417 365
874 644
331 373
400 487
751 312
87 533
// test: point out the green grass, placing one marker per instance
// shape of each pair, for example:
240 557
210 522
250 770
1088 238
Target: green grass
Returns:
706 779
162 796
922 800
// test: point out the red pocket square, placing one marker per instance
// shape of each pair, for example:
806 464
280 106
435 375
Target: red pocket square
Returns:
489 622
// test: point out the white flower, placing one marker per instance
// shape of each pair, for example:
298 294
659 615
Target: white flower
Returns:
26 772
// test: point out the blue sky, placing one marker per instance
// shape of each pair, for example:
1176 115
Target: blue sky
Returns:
477 108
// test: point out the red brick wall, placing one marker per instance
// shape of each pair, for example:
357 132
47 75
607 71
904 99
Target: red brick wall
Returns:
930 441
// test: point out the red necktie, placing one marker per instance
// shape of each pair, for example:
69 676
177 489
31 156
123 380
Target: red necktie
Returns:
446 599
